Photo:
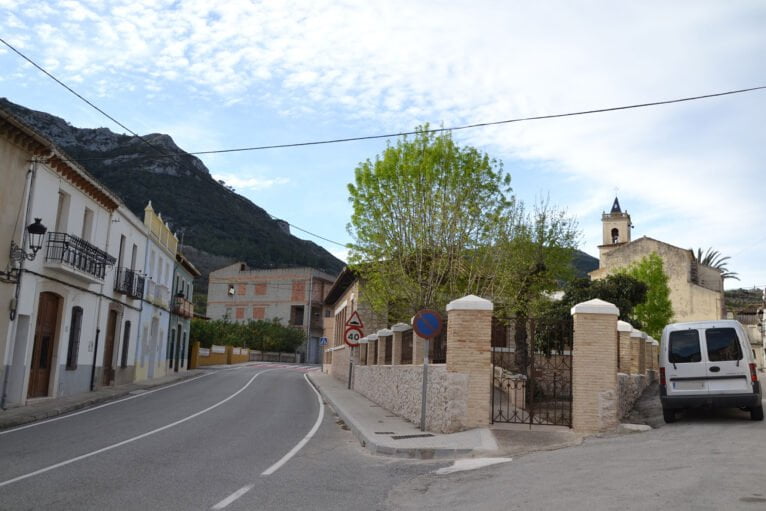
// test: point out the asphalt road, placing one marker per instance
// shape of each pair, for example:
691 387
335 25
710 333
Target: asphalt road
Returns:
222 441
708 460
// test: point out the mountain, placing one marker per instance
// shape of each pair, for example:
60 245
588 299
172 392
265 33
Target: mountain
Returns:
221 225
583 263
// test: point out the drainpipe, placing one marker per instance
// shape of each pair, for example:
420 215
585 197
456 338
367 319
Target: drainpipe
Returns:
98 311
11 339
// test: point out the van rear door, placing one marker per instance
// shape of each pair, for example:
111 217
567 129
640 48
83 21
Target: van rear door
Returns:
727 368
686 372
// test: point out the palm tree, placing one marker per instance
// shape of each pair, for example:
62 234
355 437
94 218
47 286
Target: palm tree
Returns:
714 259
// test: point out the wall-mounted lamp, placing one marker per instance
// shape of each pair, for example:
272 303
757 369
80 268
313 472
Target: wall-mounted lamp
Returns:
36 233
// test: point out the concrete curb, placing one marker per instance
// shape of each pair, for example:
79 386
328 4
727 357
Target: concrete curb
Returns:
373 446
60 408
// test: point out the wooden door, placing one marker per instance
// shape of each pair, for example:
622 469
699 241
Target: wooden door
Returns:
42 352
111 325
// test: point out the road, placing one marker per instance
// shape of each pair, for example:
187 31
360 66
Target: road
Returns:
247 438
708 460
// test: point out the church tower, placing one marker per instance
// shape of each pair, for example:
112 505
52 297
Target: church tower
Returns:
616 227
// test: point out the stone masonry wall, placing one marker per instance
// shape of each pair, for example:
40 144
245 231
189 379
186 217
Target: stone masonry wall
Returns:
398 390
630 388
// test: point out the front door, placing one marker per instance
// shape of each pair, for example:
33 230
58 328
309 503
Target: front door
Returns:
42 352
178 349
111 324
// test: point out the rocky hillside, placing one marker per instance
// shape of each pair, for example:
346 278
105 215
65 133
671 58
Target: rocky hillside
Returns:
218 223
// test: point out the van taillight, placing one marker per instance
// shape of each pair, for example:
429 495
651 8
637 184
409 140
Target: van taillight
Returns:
753 374
662 375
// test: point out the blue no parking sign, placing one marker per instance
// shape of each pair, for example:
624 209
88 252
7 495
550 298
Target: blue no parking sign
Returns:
427 323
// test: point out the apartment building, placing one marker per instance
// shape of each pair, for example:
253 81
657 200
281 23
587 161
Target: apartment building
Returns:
295 296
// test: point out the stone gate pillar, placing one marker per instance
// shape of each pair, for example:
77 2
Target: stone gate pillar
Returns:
469 340
384 337
594 366
623 331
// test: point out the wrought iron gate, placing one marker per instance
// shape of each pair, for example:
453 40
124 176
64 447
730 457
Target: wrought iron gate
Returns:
532 371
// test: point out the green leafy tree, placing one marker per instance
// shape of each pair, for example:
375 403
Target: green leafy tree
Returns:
433 221
716 260
657 310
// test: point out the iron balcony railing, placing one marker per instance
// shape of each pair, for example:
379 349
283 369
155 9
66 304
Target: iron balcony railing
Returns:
129 282
183 307
77 253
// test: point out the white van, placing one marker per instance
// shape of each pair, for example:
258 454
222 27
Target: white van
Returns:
708 363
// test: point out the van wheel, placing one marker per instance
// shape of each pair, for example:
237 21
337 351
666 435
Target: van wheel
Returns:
756 413
669 414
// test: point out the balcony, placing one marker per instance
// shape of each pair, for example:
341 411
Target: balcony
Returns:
157 294
76 257
183 307
129 282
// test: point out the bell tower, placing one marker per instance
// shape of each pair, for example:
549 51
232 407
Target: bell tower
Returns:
616 227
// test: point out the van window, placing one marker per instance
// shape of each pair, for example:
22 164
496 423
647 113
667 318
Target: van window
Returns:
722 344
684 347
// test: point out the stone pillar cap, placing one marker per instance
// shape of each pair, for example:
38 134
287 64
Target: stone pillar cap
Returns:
372 337
470 303
638 333
401 327
363 340
655 343
385 332
624 326
595 306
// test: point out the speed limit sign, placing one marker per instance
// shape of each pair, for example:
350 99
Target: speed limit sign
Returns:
352 336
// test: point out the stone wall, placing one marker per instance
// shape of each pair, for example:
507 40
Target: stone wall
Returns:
398 389
630 388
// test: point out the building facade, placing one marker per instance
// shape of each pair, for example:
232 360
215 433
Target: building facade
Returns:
696 290
181 313
159 263
295 296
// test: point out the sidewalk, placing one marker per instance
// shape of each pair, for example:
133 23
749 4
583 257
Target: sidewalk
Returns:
381 432
44 408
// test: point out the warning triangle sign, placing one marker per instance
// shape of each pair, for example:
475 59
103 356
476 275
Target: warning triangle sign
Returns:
355 320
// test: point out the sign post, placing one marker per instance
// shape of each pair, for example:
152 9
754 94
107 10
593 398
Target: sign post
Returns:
351 337
428 324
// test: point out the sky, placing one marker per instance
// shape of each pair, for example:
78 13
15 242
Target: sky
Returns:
219 75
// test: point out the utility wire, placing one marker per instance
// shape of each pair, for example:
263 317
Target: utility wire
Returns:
67 87
308 232
484 124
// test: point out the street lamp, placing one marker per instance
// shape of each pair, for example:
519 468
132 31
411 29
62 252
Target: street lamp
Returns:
36 233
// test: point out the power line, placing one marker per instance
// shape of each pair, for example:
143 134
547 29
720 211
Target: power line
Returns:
308 232
484 124
67 87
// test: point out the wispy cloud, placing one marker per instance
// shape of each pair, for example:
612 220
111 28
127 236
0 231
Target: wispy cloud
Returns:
250 183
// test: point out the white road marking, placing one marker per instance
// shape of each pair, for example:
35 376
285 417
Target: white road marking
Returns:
234 496
88 410
471 464
276 466
132 439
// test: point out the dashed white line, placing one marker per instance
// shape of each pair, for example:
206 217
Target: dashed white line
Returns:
234 496
68 415
276 466
132 439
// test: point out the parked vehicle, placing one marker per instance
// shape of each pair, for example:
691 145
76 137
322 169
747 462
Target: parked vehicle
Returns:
708 363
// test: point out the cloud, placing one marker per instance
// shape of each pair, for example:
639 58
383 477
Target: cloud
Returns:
693 168
250 183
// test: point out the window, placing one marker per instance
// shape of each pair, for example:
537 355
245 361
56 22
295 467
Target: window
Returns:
615 235
260 288
242 289
684 347
133 255
296 315
121 253
87 224
299 291
259 312
227 316
62 212
75 326
722 344
125 344
230 292
240 313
